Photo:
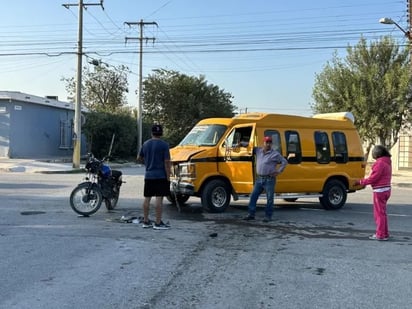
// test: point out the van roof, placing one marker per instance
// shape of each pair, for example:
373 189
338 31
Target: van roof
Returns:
334 116
342 120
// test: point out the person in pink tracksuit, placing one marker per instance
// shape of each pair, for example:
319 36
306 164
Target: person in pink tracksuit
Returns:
380 180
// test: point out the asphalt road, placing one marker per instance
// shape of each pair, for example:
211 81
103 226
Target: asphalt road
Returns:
306 258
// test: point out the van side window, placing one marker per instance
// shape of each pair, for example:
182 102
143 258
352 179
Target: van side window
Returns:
276 144
240 137
340 147
322 147
293 151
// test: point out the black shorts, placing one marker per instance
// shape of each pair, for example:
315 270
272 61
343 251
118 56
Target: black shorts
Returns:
156 187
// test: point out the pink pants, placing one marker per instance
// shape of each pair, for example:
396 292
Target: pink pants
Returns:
379 213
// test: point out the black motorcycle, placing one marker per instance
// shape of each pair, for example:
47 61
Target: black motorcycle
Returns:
101 184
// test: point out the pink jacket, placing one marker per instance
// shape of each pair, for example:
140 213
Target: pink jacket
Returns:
380 175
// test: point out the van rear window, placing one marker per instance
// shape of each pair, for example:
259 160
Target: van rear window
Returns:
340 147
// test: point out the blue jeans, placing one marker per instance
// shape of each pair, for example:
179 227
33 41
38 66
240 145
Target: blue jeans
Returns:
267 184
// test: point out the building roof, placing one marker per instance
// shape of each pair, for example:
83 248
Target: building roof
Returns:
28 98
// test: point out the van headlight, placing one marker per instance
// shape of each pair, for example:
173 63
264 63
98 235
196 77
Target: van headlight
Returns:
187 170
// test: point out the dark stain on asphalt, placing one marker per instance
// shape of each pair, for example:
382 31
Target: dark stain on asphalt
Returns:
305 232
317 271
32 212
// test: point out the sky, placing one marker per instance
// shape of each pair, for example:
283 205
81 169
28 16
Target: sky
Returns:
266 53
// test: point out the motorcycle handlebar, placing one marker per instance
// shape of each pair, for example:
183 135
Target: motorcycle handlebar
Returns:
91 157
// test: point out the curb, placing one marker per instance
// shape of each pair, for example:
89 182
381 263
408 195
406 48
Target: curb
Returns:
73 171
65 170
83 170
402 185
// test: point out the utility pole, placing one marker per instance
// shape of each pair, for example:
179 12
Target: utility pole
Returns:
409 12
141 25
77 132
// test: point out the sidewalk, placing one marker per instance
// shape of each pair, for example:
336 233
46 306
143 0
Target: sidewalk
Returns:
401 178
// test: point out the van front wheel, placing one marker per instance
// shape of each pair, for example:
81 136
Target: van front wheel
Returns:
179 198
334 195
216 196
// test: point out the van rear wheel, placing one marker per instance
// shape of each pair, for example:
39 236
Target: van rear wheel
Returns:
216 195
334 195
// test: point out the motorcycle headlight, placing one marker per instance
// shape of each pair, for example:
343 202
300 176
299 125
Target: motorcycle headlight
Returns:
93 166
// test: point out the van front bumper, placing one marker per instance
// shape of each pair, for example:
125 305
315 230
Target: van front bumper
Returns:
182 187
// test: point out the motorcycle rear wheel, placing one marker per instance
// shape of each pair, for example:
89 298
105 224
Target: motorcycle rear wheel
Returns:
86 199
111 203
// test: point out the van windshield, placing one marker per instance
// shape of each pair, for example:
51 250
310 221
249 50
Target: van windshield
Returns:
204 135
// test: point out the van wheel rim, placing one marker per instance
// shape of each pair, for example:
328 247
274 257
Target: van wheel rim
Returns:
219 197
335 196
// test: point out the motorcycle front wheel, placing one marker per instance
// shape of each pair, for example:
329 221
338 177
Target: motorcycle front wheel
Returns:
86 199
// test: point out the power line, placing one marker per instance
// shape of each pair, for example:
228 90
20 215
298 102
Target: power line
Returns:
245 37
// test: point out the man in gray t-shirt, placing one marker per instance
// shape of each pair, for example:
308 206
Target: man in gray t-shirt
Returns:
269 164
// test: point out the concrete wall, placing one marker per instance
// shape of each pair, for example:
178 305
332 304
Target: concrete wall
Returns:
402 152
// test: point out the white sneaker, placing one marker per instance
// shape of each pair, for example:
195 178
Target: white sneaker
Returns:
374 237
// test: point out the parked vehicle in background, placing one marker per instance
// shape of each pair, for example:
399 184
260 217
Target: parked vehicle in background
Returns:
215 160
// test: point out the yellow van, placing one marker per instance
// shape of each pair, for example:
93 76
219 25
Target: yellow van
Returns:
215 160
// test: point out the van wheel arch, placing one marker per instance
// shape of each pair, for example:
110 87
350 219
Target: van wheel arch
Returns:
334 194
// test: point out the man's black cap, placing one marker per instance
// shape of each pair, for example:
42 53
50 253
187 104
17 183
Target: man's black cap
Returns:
157 130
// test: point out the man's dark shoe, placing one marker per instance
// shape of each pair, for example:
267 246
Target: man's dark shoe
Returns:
267 219
161 226
147 224
249 218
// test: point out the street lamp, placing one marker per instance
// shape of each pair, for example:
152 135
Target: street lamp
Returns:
390 21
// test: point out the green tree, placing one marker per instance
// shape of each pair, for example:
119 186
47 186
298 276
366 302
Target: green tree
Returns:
103 93
101 127
178 102
373 82
103 88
